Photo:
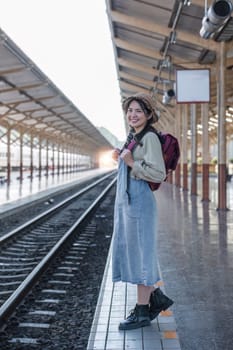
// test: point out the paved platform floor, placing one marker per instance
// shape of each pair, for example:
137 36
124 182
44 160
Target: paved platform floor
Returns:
196 260
114 303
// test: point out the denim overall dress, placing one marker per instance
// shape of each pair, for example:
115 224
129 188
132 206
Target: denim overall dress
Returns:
134 255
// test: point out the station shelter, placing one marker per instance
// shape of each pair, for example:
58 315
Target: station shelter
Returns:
155 43
41 130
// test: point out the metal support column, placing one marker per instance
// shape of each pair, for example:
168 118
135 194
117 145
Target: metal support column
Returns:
47 158
53 160
31 157
205 152
184 146
73 159
58 159
63 159
67 161
222 175
193 150
178 135
21 157
76 159
40 158
8 156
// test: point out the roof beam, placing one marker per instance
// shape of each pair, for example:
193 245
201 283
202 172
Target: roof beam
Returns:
130 64
143 81
162 30
200 3
32 100
13 70
138 49
142 68
123 44
131 86
20 88
141 50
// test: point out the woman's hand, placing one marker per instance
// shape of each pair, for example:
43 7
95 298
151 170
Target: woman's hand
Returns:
127 157
115 154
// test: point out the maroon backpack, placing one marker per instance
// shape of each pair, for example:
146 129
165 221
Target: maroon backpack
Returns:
170 149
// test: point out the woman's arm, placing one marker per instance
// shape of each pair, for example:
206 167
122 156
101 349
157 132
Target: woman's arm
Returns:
148 160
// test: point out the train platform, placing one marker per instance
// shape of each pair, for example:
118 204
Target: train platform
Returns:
17 194
114 303
196 263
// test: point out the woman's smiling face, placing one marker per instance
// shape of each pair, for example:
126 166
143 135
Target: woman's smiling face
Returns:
136 117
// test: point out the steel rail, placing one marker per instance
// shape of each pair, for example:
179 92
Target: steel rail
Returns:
19 294
7 236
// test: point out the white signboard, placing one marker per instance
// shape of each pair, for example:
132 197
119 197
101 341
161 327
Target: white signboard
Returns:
193 86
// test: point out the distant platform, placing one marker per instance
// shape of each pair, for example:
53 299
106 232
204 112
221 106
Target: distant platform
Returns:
17 194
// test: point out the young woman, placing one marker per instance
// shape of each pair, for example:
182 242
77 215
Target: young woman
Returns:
134 256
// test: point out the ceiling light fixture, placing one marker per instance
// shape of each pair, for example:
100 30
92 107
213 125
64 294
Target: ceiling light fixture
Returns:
215 18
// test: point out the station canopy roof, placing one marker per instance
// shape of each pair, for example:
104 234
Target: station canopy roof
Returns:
152 39
31 103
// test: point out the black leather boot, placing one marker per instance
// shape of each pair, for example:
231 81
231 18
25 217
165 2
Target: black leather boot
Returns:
138 317
158 302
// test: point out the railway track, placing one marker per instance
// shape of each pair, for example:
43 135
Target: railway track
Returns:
29 250
17 216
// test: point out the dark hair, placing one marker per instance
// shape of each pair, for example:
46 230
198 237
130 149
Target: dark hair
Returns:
146 102
143 106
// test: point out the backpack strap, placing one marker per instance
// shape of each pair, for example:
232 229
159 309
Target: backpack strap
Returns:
134 140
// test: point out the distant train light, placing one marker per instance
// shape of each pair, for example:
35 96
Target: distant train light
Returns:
106 160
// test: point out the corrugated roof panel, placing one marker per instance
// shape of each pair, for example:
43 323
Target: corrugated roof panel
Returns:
26 90
147 35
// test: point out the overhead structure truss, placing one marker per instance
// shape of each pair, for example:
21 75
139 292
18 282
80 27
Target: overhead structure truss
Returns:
146 33
30 103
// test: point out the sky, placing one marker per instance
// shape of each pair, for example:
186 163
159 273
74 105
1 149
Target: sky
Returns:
70 41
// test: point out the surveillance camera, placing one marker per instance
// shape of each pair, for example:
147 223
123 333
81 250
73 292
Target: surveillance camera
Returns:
168 95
